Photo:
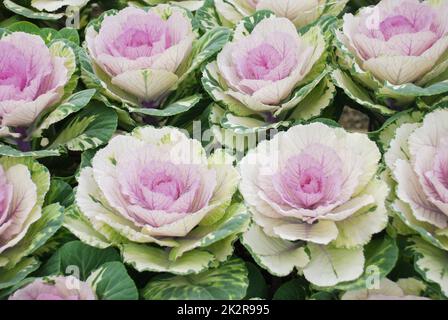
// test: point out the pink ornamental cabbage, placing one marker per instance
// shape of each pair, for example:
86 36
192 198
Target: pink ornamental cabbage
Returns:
316 185
263 68
398 41
157 186
55 288
32 79
269 75
138 53
23 185
418 161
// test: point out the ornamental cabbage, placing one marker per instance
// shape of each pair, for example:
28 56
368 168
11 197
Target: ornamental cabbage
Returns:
269 75
394 54
315 201
156 195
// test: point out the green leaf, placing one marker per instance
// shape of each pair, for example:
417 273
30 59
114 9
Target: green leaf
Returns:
38 234
24 26
70 34
207 16
6 150
81 227
150 258
235 221
31 14
257 284
431 263
203 49
91 128
80 255
73 104
60 192
229 281
358 93
172 109
10 277
112 282
294 289
381 257
249 23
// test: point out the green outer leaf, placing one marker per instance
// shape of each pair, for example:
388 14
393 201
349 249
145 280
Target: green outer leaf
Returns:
294 289
229 281
248 24
60 192
205 48
412 90
9 151
234 222
172 109
31 14
24 26
257 283
38 234
149 258
387 132
207 16
431 263
381 255
112 282
91 128
73 104
11 277
80 226
78 254
357 93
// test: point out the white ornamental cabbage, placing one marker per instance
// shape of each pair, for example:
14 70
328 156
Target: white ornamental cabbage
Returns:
315 201
156 195
394 54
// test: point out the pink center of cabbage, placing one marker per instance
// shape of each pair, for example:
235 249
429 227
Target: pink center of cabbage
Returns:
396 25
162 183
272 60
143 38
310 179
260 61
13 71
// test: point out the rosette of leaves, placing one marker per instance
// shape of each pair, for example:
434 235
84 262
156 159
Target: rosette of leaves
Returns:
153 93
240 116
379 66
99 270
27 221
72 122
185 243
414 146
